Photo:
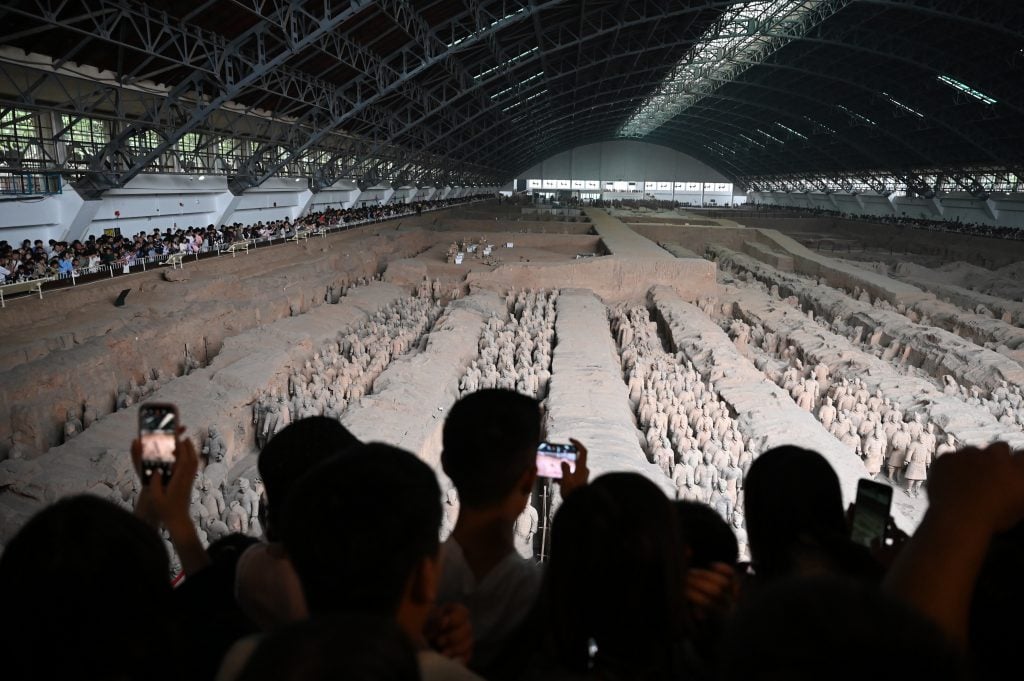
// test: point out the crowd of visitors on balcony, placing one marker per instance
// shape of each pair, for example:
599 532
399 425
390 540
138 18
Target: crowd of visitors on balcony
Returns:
970 228
38 259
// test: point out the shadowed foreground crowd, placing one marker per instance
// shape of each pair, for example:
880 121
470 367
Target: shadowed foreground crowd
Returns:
352 582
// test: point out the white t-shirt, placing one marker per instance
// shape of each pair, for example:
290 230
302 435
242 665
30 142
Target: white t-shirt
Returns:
267 588
497 605
436 667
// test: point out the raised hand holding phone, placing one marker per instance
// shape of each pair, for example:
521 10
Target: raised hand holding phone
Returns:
164 499
578 475
555 459
158 436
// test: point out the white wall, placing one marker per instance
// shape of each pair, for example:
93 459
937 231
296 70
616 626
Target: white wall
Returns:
426 193
628 160
276 199
404 195
374 196
341 194
151 201
38 217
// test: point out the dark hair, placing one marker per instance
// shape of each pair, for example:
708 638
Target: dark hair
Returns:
490 439
357 526
291 453
794 508
809 629
354 647
89 582
994 631
706 534
621 531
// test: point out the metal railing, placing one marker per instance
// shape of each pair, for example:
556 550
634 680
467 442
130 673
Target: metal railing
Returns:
131 266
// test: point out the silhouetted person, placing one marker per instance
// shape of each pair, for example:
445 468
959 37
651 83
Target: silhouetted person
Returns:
805 629
796 523
86 594
612 603
267 589
362 532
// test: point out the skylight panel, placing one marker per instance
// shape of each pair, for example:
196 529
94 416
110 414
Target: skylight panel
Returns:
509 62
771 137
752 140
859 117
748 33
967 89
485 28
521 83
533 96
901 105
819 124
791 130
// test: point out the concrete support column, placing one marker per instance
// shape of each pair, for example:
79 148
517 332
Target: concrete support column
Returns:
229 209
78 225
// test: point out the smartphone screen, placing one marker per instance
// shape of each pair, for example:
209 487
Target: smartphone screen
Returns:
158 425
550 457
870 512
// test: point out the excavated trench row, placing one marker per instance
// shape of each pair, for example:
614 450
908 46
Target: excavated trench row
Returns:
969 424
587 399
761 407
45 378
411 398
220 394
936 351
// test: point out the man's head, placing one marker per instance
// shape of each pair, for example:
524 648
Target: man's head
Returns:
362 532
490 443
291 453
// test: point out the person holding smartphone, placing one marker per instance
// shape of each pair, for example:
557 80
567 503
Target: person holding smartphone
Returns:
490 448
167 464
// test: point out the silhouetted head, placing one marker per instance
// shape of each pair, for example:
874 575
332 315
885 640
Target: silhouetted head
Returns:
357 528
705 536
614 578
89 582
490 442
794 510
290 454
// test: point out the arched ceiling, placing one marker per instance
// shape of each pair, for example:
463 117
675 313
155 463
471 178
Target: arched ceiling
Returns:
479 90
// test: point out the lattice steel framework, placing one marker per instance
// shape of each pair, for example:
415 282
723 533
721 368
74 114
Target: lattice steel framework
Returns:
817 94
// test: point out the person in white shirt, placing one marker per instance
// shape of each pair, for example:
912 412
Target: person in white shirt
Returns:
490 441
